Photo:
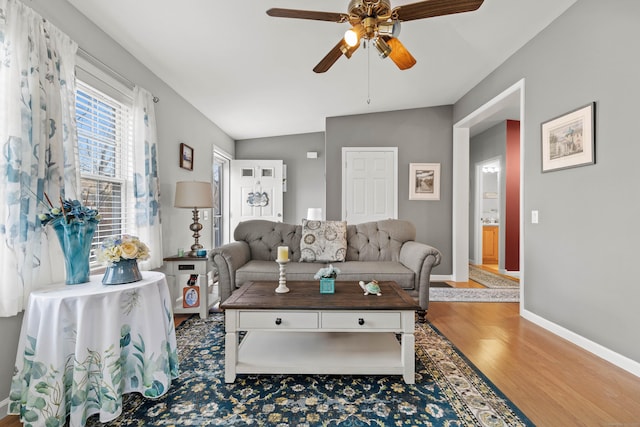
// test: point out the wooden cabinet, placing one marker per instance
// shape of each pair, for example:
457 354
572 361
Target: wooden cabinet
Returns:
490 237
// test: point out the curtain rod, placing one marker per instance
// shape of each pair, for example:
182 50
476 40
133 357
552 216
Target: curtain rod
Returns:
89 57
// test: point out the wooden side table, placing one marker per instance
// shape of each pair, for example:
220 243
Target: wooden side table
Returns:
178 271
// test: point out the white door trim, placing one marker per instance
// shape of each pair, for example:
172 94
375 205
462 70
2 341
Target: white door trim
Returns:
461 137
345 150
226 191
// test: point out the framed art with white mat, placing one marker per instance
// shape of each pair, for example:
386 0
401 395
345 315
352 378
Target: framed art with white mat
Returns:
568 141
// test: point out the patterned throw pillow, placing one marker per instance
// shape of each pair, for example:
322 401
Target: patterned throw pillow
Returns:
323 241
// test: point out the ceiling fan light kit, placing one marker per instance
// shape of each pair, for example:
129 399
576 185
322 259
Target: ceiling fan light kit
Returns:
377 22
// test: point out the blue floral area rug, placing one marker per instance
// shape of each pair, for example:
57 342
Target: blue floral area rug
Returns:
449 391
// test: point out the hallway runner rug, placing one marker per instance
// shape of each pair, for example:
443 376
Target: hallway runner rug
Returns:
474 294
491 280
449 391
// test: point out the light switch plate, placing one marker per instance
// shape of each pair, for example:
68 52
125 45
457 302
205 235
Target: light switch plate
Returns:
534 217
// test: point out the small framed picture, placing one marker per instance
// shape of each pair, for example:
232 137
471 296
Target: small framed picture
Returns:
424 181
568 141
186 157
190 297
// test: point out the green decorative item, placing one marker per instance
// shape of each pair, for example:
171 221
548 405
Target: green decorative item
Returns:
121 272
370 288
327 277
327 286
75 240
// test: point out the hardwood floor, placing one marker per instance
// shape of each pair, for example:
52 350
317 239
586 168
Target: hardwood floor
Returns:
554 382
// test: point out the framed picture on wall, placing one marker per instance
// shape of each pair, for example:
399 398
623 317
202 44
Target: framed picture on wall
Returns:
569 141
424 181
186 157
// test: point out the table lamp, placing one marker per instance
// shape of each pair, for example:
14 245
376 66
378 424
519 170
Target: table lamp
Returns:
194 195
314 214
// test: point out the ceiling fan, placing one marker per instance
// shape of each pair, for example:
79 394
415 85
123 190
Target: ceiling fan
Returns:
375 21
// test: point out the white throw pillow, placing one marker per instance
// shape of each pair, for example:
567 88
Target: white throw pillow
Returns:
323 241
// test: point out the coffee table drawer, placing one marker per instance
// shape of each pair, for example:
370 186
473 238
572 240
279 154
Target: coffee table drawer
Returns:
277 320
361 320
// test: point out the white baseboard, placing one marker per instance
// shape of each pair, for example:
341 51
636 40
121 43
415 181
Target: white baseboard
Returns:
610 356
515 274
4 408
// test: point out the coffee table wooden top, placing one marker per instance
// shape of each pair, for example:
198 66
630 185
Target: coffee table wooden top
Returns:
305 295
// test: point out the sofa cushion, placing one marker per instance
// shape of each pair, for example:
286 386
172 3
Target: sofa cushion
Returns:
264 237
323 241
269 270
378 270
379 240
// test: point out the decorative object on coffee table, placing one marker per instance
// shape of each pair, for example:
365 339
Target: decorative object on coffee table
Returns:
75 225
122 255
194 195
282 260
371 288
327 278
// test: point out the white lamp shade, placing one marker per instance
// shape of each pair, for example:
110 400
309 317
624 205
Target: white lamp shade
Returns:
314 214
193 194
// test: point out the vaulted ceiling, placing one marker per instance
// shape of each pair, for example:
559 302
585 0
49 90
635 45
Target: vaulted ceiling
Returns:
251 74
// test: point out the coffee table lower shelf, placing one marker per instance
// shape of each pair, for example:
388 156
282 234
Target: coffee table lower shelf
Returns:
328 353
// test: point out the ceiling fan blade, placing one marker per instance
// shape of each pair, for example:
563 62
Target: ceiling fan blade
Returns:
431 8
331 57
308 14
400 55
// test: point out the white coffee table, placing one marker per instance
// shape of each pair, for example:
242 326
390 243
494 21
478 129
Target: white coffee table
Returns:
305 332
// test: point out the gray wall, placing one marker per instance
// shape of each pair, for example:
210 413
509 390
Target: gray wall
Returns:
577 260
422 135
177 121
487 145
305 177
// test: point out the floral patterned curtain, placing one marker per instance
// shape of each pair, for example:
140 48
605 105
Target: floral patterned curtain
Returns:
38 140
146 185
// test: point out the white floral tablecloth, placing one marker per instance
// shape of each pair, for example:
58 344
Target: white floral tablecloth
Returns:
83 346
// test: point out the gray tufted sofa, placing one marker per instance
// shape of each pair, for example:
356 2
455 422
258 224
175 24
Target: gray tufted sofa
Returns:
381 250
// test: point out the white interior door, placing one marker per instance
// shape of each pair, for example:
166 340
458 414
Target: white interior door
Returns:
369 184
256 190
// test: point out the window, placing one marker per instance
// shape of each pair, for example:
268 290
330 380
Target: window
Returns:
104 127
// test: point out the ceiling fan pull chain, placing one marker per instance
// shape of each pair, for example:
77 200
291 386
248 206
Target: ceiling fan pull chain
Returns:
368 76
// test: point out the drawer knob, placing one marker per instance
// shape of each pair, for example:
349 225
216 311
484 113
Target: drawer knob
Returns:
278 321
361 321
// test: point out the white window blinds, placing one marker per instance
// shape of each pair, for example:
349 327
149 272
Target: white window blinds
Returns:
104 142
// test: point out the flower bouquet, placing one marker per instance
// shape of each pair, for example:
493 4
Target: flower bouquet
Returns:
121 255
329 272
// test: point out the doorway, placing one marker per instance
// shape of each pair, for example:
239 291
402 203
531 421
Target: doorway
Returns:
369 184
486 215
257 190
221 234
509 105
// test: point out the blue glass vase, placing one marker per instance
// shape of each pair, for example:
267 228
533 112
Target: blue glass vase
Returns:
121 272
75 240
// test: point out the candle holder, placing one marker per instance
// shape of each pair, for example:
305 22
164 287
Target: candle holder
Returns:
282 282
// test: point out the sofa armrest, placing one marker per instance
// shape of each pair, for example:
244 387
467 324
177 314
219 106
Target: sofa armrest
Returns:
228 258
421 259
